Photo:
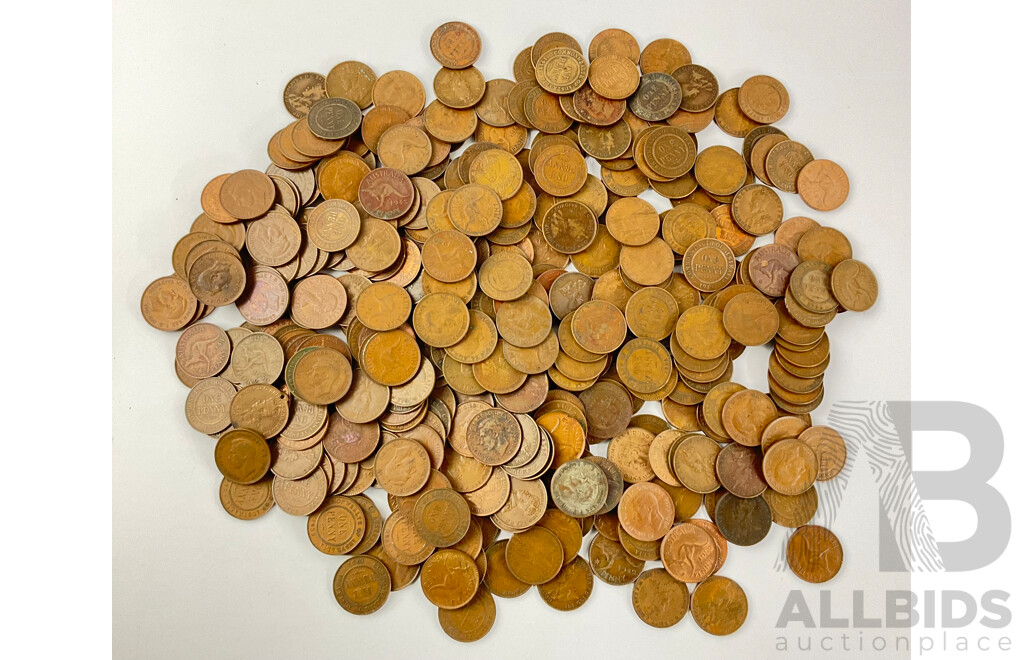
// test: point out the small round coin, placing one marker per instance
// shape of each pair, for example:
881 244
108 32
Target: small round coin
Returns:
660 600
814 554
362 584
719 605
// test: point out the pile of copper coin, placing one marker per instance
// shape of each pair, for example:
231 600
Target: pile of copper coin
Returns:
436 309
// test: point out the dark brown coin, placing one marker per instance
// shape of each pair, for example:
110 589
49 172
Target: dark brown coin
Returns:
386 193
334 118
494 436
739 470
657 97
455 45
743 521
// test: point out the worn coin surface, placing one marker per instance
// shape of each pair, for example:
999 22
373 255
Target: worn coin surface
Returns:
579 488
362 585
814 554
659 599
719 605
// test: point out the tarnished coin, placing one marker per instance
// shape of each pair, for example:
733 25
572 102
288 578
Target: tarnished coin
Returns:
719 605
303 91
472 621
525 506
383 306
242 456
739 469
571 587
337 527
763 99
644 365
441 517
570 227
814 554
168 303
386 193
599 327
362 585
203 350
770 267
579 488
216 278
401 467
352 80
319 375
301 497
693 462
613 76
440 319
701 332
629 451
699 87
493 436
449 256
246 501
391 358
657 97
208 405
475 209
825 244
274 239
784 162
751 319
333 225
534 556
665 55
757 209
611 563
561 70
455 45
810 284
334 118
720 170
659 599
505 276
709 264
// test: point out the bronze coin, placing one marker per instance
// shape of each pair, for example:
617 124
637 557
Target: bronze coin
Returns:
743 521
739 470
719 605
659 599
814 554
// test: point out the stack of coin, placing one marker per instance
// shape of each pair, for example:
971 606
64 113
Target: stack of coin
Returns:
505 313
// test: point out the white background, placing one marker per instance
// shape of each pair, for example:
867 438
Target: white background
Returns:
198 91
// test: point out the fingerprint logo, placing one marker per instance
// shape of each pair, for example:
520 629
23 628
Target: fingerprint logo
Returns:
869 429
